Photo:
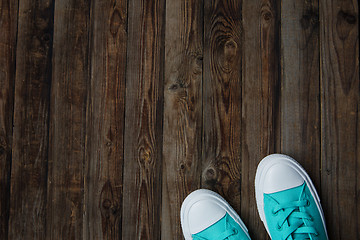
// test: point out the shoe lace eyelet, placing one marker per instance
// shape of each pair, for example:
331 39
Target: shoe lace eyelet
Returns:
307 203
278 227
235 231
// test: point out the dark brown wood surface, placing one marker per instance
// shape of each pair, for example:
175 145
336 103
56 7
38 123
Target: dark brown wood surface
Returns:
31 120
300 83
143 121
70 80
260 100
182 110
8 29
340 176
222 99
111 112
105 120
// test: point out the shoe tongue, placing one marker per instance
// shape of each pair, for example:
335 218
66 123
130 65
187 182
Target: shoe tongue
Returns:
289 195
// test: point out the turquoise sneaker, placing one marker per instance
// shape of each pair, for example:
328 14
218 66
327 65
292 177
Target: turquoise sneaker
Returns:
205 215
287 200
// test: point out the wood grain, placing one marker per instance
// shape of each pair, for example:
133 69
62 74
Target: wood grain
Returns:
111 112
339 37
223 49
260 100
300 96
31 117
105 120
182 110
65 198
143 120
8 29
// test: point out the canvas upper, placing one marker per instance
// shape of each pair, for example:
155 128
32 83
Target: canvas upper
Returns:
287 200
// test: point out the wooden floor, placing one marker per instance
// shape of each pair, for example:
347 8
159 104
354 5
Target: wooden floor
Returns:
112 111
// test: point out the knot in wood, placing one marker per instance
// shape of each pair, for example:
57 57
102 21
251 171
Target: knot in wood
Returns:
345 23
115 22
173 87
106 204
182 166
115 211
3 145
347 17
2 150
46 38
230 49
144 156
267 16
210 174
199 60
309 19
197 63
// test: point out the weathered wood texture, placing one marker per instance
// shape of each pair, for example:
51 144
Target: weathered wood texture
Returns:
340 139
260 100
105 120
70 80
31 118
111 112
182 110
300 96
143 121
222 99
8 29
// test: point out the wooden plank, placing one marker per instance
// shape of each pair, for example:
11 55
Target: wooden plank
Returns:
182 110
105 120
340 141
143 120
260 100
31 117
65 198
222 99
8 29
300 101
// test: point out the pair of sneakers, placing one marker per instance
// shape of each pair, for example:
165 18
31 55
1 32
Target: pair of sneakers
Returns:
287 202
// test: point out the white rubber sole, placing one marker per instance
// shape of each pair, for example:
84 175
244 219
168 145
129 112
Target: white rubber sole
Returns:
261 171
204 194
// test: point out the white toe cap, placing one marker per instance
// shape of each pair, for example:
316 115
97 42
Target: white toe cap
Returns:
203 214
280 177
